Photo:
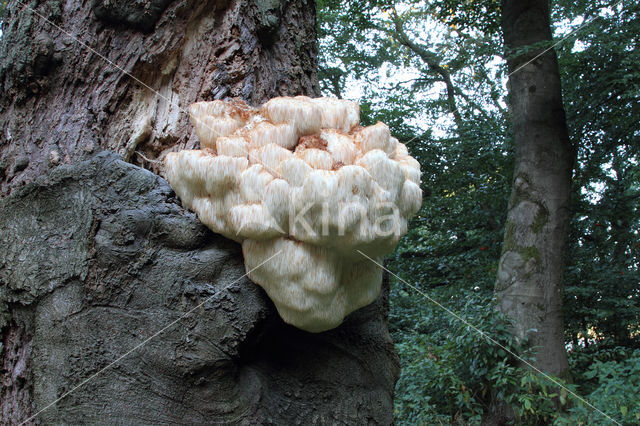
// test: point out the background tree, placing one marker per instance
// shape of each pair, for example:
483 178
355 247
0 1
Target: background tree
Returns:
97 254
452 247
531 272
450 374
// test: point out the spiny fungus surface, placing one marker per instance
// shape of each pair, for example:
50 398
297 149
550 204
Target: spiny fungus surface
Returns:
299 177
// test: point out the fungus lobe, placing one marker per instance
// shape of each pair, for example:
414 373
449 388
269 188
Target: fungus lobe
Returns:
299 177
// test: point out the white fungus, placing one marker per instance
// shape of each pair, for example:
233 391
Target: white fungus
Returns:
299 176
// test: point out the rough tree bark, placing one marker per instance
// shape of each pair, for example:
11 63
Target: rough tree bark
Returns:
530 275
98 255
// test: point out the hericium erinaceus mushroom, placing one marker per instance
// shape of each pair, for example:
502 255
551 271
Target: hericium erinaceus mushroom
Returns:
298 177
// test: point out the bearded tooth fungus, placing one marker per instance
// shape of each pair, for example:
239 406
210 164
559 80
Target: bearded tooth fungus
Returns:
299 177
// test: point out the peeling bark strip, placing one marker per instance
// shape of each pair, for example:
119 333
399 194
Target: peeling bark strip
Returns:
530 276
97 255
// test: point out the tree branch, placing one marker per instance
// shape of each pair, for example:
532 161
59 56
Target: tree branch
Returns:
432 62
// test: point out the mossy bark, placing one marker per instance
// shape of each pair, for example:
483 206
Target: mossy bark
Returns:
530 276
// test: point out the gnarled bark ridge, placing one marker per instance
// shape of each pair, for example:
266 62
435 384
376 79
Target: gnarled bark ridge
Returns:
100 257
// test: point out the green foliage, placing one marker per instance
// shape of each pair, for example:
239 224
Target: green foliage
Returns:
603 73
451 374
359 43
470 15
611 381
3 9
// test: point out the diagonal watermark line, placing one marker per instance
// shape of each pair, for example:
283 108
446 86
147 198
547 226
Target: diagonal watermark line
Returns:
492 340
125 72
206 300
144 342
584 24
92 50
571 33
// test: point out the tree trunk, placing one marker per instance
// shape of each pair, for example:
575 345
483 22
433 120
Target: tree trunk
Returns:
97 254
63 102
530 276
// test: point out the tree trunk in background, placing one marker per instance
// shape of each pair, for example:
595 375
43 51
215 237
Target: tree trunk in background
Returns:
97 254
530 276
